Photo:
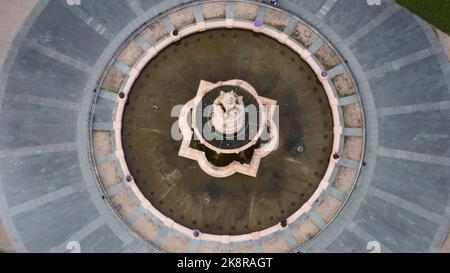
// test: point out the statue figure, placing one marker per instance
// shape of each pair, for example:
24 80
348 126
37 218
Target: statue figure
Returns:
228 116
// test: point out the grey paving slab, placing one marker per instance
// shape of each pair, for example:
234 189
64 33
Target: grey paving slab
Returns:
348 100
139 246
168 25
50 225
312 6
78 236
102 240
353 132
390 40
104 110
396 65
348 242
326 8
135 215
142 42
396 228
198 14
26 178
90 21
135 5
170 4
336 71
412 156
193 246
36 150
290 27
261 14
336 193
148 4
59 57
107 95
408 109
423 184
42 101
416 83
317 219
371 25
105 158
38 75
25 125
408 206
114 15
352 164
44 199
70 36
102 126
367 238
116 188
347 16
229 10
125 69
315 46
421 132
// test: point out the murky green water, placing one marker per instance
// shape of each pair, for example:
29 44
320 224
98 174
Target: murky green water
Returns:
237 204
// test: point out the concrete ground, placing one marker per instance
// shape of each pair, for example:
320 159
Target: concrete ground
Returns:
49 196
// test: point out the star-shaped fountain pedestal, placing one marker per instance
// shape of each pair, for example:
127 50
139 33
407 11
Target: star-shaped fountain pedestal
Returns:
228 128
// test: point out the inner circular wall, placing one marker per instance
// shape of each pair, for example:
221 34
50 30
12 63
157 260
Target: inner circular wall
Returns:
238 204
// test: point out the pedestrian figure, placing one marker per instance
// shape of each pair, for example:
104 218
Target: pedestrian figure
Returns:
276 3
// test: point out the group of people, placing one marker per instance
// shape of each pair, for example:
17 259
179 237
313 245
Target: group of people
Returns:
275 3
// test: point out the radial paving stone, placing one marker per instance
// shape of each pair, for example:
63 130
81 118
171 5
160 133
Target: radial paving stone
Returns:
112 15
70 36
49 225
430 137
105 109
311 6
427 184
27 125
348 242
149 4
413 84
22 185
102 239
36 74
359 12
399 229
390 41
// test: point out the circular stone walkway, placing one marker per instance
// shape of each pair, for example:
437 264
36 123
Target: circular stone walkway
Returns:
50 196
